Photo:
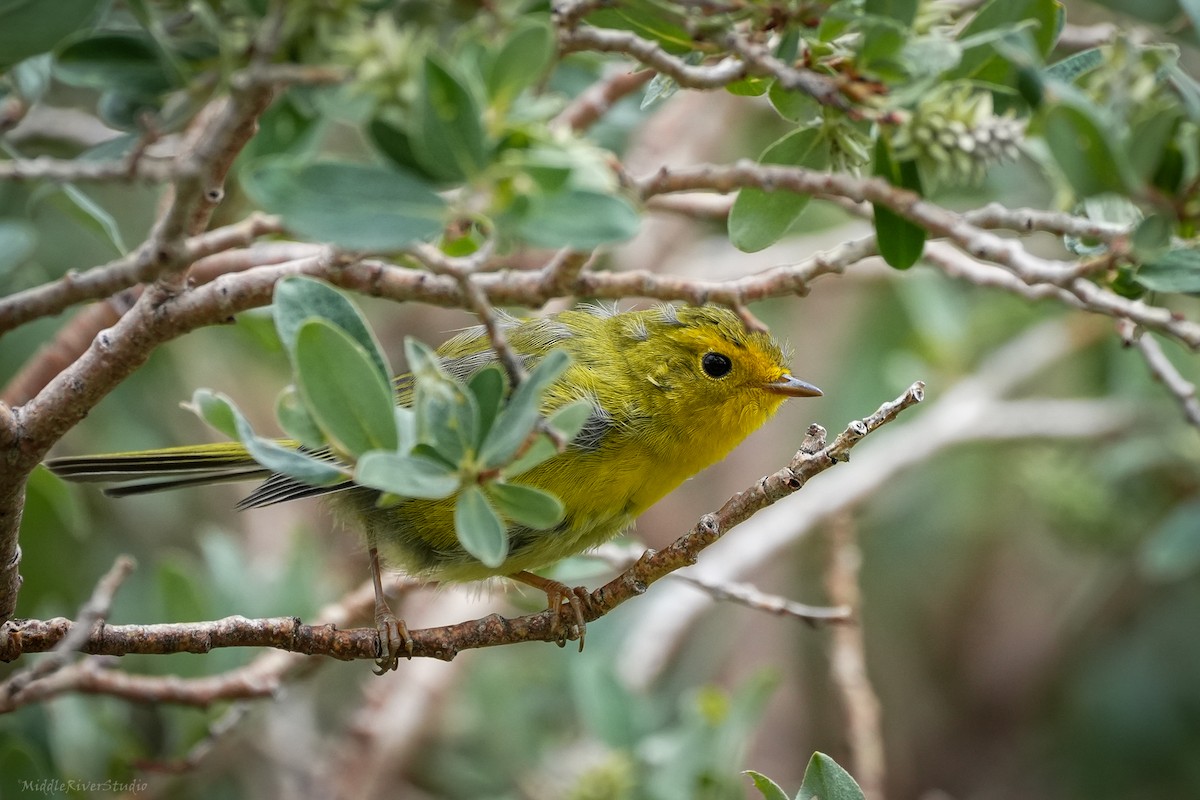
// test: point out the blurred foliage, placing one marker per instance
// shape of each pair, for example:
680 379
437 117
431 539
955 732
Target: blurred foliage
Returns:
1029 607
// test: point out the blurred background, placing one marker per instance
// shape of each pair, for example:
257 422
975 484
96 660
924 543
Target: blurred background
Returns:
1026 540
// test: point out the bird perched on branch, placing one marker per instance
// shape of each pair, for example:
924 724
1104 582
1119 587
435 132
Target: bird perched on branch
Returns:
672 390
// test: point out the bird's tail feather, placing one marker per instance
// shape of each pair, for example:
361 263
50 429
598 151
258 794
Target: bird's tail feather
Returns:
143 471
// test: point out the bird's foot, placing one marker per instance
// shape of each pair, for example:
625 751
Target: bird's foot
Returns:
573 603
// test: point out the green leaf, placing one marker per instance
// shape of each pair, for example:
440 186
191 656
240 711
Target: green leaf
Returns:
752 86
479 529
296 421
448 138
1176 271
18 240
217 410
1075 65
220 412
526 505
825 780
447 417
793 106
1192 9
26 29
1151 236
902 11
487 386
768 788
581 219
516 422
1082 145
570 419
356 206
758 219
1149 140
130 63
1172 551
343 389
982 61
881 44
406 476
541 450
900 241
522 60
648 20
299 298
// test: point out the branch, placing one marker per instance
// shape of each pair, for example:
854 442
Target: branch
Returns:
1168 375
938 221
138 267
966 412
848 663
747 595
91 621
288 633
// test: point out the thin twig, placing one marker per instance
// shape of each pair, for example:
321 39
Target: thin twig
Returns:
1169 376
288 633
90 622
748 595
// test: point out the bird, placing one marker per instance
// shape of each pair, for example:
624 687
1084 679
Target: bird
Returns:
673 389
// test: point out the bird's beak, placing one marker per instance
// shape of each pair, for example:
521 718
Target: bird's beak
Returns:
793 387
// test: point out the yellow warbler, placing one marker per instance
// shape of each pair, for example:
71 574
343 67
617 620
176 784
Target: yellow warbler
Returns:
673 390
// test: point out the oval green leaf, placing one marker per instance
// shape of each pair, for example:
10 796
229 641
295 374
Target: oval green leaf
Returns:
355 206
581 219
758 219
522 60
516 422
26 29
900 241
343 390
129 63
479 529
824 779
1083 148
298 298
406 476
295 420
526 505
487 386
768 788
448 139
1175 271
278 456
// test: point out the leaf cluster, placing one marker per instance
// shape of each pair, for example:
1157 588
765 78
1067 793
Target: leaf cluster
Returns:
466 441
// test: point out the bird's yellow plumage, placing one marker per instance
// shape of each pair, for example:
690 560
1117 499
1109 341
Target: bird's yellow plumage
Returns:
673 390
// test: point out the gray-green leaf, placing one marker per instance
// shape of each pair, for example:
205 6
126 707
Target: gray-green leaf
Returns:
343 390
824 779
526 505
299 298
479 529
758 219
406 476
356 206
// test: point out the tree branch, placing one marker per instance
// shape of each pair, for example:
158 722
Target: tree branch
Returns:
288 633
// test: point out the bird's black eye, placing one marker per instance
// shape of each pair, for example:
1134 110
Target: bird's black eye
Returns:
716 365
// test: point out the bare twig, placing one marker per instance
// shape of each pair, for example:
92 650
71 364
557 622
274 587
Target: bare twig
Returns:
90 622
598 99
848 664
747 595
1168 375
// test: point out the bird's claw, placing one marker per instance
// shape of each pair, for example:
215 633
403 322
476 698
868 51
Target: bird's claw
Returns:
393 637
